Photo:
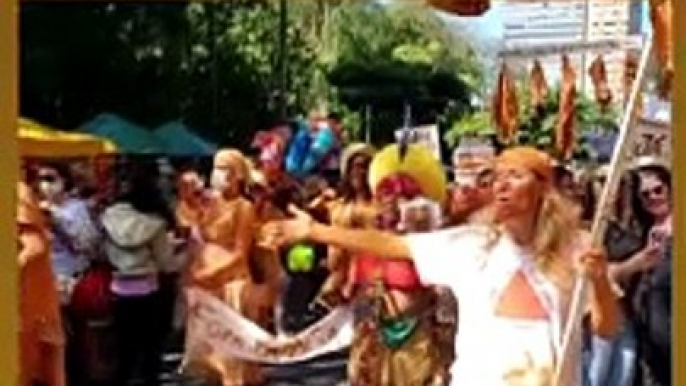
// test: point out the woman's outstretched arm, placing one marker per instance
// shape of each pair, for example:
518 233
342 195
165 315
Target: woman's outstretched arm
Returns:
361 240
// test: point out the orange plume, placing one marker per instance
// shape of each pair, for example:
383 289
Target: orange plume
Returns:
538 85
505 107
630 72
565 134
598 74
661 16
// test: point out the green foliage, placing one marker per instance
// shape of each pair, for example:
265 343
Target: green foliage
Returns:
218 65
537 126
478 124
385 57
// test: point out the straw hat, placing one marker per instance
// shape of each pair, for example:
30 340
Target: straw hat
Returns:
419 163
351 151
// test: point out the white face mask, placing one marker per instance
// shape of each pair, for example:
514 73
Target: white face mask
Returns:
219 179
51 189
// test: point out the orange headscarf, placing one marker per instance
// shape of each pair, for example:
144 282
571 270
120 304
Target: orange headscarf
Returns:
531 159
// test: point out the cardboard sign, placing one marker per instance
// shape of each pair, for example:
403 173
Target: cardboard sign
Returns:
654 131
653 139
426 135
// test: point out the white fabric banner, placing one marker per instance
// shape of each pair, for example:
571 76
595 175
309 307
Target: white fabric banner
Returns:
215 328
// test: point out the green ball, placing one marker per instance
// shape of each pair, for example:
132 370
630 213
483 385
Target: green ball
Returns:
301 258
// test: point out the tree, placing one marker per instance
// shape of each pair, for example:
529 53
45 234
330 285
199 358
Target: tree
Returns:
217 65
386 56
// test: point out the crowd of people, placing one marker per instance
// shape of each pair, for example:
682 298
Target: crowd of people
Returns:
461 282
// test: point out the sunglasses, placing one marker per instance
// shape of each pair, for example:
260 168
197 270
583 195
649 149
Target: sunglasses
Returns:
655 191
47 178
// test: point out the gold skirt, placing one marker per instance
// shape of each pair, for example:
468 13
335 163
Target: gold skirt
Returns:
416 363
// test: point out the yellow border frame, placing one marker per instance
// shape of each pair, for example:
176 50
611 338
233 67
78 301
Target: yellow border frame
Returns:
9 171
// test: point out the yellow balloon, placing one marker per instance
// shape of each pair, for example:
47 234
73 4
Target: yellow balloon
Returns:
419 162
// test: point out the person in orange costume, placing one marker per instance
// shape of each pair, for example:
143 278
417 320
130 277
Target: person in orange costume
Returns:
41 335
220 264
266 269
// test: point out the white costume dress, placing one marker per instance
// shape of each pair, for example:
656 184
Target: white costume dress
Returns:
483 269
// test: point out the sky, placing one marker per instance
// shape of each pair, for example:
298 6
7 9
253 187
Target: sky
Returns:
490 25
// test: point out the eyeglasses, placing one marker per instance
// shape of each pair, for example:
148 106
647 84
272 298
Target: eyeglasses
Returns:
658 191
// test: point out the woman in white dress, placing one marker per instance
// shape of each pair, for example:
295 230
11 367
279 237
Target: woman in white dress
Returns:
514 276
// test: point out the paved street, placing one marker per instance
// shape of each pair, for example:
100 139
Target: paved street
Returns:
328 370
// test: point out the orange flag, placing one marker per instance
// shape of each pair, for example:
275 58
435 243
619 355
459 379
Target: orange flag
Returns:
505 107
538 86
661 18
598 74
565 131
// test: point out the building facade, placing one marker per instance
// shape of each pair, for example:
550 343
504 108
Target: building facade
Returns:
533 23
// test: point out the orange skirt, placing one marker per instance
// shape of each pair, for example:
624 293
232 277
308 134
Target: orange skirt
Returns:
42 357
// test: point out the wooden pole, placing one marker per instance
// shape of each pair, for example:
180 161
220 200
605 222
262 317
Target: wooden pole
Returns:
572 327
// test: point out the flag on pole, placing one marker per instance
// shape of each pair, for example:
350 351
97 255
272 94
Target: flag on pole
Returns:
505 107
565 131
598 74
538 86
661 18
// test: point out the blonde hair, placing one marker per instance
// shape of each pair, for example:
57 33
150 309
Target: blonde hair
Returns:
555 233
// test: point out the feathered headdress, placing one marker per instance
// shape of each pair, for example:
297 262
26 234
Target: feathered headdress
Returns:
418 163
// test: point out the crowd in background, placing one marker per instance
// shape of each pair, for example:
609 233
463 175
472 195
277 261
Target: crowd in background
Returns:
118 265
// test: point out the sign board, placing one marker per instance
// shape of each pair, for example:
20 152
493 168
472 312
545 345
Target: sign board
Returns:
426 135
654 139
652 135
654 131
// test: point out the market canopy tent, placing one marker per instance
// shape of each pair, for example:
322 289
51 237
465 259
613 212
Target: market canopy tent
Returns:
178 140
41 141
129 137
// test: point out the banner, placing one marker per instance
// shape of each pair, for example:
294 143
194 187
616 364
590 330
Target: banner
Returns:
426 135
215 328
